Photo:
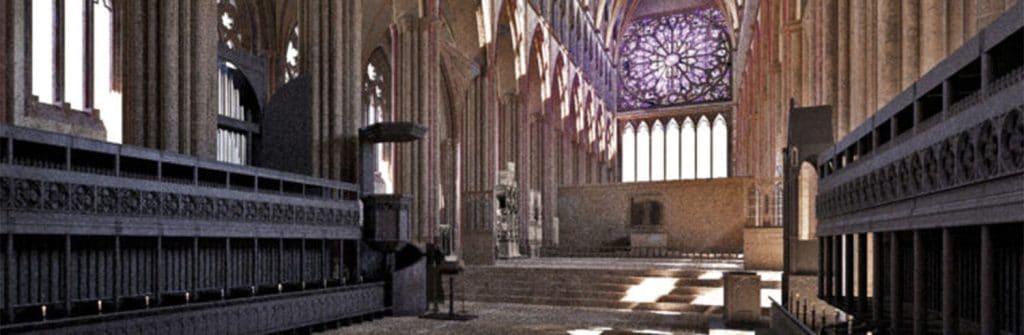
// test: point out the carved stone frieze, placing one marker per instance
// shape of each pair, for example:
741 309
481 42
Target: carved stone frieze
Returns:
33 195
992 148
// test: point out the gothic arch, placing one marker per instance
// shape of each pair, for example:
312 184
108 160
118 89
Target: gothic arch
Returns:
505 52
266 29
377 21
572 126
447 130
808 184
377 107
557 90
533 83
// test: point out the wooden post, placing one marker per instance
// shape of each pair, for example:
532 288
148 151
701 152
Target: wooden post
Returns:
918 290
66 274
894 281
227 268
987 274
158 272
949 277
117 272
9 278
254 270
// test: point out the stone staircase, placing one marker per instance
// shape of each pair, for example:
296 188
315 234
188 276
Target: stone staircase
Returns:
680 291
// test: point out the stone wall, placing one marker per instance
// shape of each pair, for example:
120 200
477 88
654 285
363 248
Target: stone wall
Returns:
697 215
762 248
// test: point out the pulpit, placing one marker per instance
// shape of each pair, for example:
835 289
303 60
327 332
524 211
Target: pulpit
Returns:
386 222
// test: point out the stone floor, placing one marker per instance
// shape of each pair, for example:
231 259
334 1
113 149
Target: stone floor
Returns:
718 264
498 318
509 318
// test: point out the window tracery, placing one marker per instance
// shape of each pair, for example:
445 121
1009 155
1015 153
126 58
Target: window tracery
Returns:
673 60
232 31
377 107
72 65
674 150
291 56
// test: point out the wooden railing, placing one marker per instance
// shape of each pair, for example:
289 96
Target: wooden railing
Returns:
947 151
54 184
99 236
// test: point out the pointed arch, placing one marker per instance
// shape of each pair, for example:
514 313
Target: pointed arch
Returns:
643 152
557 91
719 148
658 151
672 148
505 50
688 153
377 108
628 153
703 148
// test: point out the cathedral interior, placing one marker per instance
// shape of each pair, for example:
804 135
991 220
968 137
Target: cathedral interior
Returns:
580 167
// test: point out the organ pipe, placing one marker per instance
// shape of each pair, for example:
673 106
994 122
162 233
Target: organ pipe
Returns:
232 146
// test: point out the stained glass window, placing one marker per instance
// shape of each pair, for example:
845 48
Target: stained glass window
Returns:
677 59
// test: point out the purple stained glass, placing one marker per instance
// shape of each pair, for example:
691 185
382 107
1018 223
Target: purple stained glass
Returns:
677 59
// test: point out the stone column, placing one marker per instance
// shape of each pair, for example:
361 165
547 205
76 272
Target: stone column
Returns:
910 51
170 80
524 168
949 278
970 18
988 11
15 56
550 175
6 63
955 34
888 51
987 282
918 286
871 58
842 56
933 33
416 90
894 281
858 63
829 31
331 51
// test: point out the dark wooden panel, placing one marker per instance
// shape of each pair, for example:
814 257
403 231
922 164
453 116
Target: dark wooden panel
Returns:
246 316
138 259
92 268
242 262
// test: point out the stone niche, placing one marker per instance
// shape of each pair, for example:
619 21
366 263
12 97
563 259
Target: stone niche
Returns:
706 216
645 227
506 230
535 231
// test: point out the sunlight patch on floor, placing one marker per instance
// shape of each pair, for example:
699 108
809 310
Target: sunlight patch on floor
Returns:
589 331
730 332
770 275
651 332
710 275
650 289
716 297
712 297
